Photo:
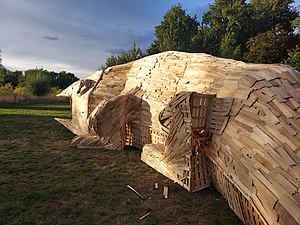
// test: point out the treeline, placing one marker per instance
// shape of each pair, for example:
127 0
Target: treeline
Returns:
258 31
34 81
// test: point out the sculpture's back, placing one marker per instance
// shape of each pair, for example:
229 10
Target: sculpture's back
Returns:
199 119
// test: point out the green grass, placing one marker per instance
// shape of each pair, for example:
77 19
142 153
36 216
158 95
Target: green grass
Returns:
44 181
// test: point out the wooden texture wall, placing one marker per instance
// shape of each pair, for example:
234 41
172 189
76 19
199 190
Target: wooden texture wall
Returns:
201 120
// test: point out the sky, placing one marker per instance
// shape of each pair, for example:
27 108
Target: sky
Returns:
78 35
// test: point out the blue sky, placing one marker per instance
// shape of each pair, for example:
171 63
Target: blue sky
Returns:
77 35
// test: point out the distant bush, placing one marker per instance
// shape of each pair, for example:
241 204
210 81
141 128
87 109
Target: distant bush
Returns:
21 91
37 82
127 56
6 89
294 58
54 91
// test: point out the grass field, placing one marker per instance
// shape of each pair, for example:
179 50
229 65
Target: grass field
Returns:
43 181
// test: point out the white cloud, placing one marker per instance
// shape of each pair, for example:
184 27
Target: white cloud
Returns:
16 63
75 35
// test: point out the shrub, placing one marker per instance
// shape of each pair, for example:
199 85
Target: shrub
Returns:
294 58
54 91
21 91
37 82
6 89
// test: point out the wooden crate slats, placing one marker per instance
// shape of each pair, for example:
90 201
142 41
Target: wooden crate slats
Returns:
237 200
200 177
137 134
279 132
219 115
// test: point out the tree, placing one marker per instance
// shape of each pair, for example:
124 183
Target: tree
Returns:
153 49
205 41
228 27
2 75
175 32
294 58
0 58
296 22
65 79
269 13
270 47
134 53
62 79
7 76
13 77
37 81
127 56
230 47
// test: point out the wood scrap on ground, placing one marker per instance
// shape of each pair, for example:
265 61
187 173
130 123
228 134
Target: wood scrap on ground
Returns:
135 191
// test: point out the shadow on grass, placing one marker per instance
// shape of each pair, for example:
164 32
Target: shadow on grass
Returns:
51 110
56 106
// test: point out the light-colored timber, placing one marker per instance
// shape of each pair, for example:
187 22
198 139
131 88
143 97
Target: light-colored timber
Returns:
201 120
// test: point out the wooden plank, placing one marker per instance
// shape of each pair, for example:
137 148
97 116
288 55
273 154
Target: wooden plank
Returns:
292 208
286 110
265 195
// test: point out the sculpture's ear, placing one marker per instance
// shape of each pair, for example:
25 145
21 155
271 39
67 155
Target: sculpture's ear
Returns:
80 86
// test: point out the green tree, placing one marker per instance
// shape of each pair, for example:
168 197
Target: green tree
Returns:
133 54
37 81
270 47
294 58
65 79
62 79
269 13
175 31
153 49
205 41
227 24
7 76
3 72
296 22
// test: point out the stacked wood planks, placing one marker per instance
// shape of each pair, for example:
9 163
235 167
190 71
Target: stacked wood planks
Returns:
202 119
262 155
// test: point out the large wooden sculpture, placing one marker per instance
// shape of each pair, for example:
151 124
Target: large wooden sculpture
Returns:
201 119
